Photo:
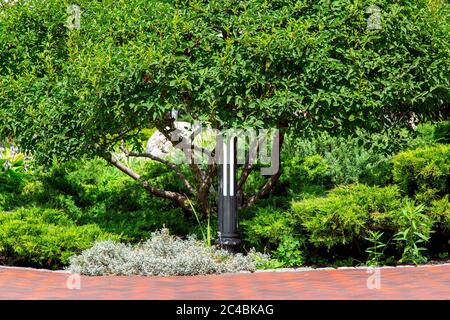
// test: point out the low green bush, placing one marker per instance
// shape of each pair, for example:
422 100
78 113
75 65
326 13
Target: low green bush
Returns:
355 223
44 237
267 229
91 192
442 132
439 210
423 172
270 230
301 172
95 200
11 181
347 213
12 177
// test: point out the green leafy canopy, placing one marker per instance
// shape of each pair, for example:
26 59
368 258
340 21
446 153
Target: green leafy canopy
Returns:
227 63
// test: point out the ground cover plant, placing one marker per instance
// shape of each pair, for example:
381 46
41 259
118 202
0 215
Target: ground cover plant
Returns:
162 255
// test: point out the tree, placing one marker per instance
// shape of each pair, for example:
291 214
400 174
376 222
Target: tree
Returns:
72 92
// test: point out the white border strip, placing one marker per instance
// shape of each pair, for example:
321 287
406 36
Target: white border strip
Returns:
232 168
224 170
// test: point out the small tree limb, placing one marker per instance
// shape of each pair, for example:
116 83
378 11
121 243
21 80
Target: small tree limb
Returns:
205 186
248 166
171 195
167 129
171 165
268 186
265 189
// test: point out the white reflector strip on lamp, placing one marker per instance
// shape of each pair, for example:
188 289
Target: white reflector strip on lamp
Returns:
224 170
231 168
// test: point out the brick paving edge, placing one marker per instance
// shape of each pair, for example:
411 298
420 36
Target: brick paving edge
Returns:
300 269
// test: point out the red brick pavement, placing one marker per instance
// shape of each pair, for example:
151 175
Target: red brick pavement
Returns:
425 282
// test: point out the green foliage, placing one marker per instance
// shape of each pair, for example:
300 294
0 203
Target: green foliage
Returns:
11 181
424 172
376 250
442 132
440 212
346 213
351 224
299 172
73 203
289 252
90 191
11 169
12 175
431 133
267 229
224 62
416 229
43 237
362 157
270 230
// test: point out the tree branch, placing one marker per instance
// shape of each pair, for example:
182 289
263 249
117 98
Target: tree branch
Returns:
186 148
205 186
248 166
163 161
171 195
268 186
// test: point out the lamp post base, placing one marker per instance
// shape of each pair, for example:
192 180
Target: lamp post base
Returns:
229 244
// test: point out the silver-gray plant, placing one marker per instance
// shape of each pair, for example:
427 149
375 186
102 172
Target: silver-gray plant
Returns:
162 255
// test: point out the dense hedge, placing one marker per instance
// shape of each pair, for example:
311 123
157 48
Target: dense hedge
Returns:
341 225
347 213
424 172
44 237
440 212
340 222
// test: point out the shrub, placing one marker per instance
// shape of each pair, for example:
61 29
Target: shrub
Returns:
267 229
299 172
271 230
11 169
43 237
440 212
362 157
90 191
11 181
163 255
423 172
359 222
442 132
290 252
347 213
430 134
